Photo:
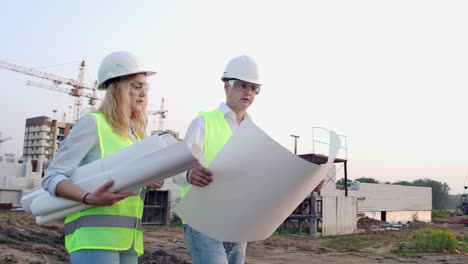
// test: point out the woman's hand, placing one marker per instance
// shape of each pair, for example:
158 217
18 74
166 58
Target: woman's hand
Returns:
103 197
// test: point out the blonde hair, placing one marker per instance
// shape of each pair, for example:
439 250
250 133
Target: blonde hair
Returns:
116 109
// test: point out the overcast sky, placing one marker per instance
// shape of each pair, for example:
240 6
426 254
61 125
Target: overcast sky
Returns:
389 75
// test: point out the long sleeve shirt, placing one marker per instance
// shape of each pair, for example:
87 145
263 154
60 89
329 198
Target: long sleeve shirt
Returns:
79 148
196 135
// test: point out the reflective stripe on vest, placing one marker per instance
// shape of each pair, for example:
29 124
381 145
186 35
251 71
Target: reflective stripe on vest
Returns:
217 133
115 227
102 221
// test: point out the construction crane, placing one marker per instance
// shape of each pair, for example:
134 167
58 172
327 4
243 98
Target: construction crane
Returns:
91 96
78 85
3 140
162 115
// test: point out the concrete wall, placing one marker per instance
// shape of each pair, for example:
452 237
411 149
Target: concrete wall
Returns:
401 203
25 184
388 197
174 193
339 215
404 217
17 179
10 196
8 169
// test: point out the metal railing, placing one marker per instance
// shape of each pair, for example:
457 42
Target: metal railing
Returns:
344 143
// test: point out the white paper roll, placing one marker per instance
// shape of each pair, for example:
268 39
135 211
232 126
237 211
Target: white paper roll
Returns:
27 199
44 219
128 176
141 148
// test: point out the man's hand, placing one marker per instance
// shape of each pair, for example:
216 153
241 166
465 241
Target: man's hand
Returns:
200 176
156 185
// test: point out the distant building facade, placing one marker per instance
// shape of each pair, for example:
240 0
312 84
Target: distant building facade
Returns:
18 176
387 202
42 137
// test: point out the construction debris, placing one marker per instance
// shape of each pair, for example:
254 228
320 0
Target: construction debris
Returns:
370 223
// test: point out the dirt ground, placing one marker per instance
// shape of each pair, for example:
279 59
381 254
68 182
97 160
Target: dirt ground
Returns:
22 241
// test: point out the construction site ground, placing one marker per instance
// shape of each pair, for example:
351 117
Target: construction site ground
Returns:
23 241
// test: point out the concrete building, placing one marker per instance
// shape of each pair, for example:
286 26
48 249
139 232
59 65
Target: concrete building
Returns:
387 202
42 136
18 176
173 193
328 211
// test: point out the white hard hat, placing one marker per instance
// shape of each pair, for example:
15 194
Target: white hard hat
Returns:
118 64
243 68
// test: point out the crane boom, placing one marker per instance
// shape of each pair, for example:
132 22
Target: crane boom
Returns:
61 89
76 91
49 76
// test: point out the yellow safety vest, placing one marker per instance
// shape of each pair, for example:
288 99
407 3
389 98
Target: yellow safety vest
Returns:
217 133
114 227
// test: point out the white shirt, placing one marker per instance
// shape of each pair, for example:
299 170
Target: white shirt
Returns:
196 135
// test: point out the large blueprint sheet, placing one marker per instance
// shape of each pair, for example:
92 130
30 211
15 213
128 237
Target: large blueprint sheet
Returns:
257 185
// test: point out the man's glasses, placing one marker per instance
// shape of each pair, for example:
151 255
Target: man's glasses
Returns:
243 86
139 86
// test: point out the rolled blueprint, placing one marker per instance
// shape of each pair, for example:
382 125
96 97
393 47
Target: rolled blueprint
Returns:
129 175
129 171
141 148
44 219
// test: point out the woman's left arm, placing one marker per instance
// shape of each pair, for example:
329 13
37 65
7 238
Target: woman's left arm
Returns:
81 145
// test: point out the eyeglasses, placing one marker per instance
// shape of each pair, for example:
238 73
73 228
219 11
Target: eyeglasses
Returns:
139 86
243 86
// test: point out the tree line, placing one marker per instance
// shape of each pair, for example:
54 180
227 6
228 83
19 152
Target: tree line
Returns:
441 199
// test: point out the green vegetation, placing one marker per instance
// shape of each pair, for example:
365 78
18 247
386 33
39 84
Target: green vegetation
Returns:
423 240
353 242
272 243
442 213
463 244
287 233
367 180
431 240
428 240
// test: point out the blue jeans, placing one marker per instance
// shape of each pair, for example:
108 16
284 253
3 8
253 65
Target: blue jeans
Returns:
206 250
102 256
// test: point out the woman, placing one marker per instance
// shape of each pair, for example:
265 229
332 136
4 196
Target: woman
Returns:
109 232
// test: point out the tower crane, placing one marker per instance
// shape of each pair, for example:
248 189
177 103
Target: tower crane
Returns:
3 139
76 91
162 115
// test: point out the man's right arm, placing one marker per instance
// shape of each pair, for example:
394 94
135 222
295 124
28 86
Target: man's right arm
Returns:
195 135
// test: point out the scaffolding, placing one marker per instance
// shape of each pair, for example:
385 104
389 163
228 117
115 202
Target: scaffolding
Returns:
307 218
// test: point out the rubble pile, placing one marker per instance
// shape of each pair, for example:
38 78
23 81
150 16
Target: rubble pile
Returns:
370 223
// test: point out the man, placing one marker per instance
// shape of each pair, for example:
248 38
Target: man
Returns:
211 130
